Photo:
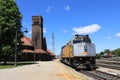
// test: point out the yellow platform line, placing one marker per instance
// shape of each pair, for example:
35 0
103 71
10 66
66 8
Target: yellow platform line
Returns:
67 75
62 71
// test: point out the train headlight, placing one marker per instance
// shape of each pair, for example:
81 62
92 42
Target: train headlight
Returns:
80 58
90 58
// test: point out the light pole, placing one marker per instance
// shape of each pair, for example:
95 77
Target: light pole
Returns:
16 48
34 54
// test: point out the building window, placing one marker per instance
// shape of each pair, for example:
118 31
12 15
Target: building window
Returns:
36 22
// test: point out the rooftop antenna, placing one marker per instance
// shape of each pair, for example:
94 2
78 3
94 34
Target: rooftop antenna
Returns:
53 44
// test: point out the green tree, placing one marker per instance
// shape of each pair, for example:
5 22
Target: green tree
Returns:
116 52
102 53
10 21
107 51
98 56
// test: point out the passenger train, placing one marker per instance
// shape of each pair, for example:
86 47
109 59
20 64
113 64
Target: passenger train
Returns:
79 53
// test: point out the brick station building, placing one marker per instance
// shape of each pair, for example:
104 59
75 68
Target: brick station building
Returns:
28 49
36 48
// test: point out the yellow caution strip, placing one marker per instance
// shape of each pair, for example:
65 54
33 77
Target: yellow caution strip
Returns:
60 68
68 74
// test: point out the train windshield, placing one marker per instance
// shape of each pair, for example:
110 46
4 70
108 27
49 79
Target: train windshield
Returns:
77 41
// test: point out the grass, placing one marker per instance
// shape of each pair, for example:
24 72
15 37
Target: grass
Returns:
6 66
11 64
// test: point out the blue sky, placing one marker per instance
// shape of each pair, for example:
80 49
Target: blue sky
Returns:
98 18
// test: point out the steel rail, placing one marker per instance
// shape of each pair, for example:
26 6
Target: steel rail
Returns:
99 75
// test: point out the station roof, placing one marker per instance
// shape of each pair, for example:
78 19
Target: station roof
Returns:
51 53
40 51
27 51
26 41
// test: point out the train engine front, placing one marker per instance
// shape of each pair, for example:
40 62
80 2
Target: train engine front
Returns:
80 52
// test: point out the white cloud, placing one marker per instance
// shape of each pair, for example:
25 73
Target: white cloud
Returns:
86 29
64 31
67 8
44 30
47 10
50 8
109 37
118 34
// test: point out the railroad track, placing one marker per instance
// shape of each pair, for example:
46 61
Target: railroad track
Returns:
111 66
111 59
108 64
99 75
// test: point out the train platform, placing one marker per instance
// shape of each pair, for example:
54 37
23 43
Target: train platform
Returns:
51 70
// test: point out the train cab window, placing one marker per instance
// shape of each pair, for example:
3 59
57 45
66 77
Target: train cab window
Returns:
76 41
85 48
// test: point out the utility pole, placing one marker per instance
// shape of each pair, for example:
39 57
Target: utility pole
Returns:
53 44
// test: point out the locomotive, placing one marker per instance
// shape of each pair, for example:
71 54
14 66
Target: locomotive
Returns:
79 53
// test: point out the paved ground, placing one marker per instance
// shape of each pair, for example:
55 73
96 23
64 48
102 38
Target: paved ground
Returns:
52 70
